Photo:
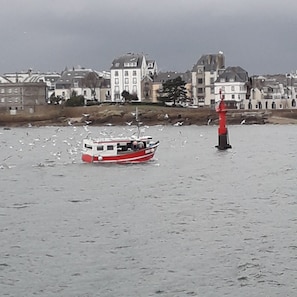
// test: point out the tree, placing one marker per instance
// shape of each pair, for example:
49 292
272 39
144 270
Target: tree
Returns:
75 100
92 81
173 90
129 97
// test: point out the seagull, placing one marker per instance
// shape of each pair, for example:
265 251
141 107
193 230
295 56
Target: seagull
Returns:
86 128
208 122
85 115
177 124
242 122
166 116
129 123
69 122
88 122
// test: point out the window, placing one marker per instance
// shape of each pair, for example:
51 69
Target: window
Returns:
126 81
2 91
16 100
134 89
134 72
110 147
126 73
134 80
232 88
2 100
16 90
200 81
117 90
99 147
127 88
200 90
233 96
9 91
85 93
116 81
116 73
211 80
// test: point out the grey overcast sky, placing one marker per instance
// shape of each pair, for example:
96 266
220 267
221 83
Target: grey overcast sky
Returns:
48 35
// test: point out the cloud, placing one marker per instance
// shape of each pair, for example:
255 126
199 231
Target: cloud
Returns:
52 34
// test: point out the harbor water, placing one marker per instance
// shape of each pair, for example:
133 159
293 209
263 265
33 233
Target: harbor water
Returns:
194 221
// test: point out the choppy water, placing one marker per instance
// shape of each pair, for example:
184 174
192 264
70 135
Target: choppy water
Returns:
192 222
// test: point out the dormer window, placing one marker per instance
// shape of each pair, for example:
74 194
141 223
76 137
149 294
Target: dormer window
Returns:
130 64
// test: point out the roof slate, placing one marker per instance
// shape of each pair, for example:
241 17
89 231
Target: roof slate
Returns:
119 63
236 74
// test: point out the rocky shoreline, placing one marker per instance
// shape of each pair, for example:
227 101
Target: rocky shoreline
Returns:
149 115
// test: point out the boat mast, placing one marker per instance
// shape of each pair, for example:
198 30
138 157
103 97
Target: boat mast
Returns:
137 122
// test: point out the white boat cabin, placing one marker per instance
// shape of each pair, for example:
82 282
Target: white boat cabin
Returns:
113 147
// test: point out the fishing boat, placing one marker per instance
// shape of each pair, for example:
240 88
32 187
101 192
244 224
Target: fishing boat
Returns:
132 149
119 150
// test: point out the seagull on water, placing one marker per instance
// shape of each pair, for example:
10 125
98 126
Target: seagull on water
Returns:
177 124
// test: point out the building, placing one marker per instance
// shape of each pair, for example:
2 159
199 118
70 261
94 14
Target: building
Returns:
134 74
22 92
233 83
162 77
204 73
83 82
272 92
29 76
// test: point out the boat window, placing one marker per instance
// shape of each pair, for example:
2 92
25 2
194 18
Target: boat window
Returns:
110 147
99 147
88 146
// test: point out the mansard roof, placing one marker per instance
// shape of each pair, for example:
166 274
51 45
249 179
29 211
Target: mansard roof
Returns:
210 62
129 60
68 77
234 74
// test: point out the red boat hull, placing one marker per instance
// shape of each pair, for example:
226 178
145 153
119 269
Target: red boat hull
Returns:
139 156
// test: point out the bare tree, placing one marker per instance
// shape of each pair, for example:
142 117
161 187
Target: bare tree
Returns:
92 81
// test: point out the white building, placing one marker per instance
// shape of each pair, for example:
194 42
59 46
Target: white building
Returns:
204 73
233 83
128 73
